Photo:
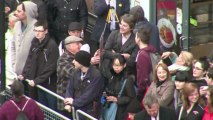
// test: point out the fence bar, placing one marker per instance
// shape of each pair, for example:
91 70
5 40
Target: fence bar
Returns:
85 114
75 114
48 91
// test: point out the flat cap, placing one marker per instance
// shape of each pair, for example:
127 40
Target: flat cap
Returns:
75 26
72 39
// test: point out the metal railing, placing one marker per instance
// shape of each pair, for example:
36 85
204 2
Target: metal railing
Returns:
49 113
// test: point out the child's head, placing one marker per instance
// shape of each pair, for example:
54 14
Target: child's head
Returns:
119 63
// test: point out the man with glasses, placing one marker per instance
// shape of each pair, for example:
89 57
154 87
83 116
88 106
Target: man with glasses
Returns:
26 14
40 67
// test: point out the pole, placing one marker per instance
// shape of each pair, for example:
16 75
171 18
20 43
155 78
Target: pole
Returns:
2 45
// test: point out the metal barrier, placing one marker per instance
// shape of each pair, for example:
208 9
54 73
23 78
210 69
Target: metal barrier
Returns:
50 114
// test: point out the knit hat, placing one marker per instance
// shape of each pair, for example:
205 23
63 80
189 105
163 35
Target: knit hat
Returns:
75 26
182 76
72 39
83 58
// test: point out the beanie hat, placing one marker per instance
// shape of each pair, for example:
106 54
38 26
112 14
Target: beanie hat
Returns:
83 58
182 76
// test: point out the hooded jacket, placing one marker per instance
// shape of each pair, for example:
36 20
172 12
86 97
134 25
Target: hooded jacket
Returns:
138 13
22 39
144 67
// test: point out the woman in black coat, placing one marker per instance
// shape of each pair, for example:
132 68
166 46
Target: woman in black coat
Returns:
114 86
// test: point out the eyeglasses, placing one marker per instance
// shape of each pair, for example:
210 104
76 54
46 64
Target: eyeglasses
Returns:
38 30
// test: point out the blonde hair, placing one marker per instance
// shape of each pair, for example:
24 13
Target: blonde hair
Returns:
188 57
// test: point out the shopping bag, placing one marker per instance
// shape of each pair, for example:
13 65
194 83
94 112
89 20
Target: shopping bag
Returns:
110 112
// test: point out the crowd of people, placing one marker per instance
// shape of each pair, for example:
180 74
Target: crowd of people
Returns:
45 44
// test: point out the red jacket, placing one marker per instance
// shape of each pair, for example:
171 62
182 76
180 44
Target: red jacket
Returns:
207 115
144 67
8 111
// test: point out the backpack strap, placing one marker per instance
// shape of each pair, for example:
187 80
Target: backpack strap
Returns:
18 107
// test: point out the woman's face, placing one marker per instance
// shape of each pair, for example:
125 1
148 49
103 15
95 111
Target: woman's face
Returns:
117 67
161 74
198 72
194 96
179 85
180 60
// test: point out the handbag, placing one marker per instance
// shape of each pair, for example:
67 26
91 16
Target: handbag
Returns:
110 112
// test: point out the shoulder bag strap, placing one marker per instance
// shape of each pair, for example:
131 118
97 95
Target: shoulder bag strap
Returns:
120 92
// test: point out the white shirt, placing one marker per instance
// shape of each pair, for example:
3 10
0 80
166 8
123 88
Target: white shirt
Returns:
157 118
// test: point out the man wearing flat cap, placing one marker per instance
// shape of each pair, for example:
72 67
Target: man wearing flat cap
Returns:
65 66
75 29
85 86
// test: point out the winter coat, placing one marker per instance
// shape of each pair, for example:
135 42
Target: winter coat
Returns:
22 39
114 86
64 68
196 113
42 62
85 91
207 114
68 11
164 93
144 68
114 43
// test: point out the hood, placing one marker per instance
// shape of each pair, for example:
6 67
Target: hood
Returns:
31 10
137 12
149 48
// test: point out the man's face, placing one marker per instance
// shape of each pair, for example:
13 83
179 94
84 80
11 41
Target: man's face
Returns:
76 64
20 13
124 27
74 47
40 32
76 33
152 110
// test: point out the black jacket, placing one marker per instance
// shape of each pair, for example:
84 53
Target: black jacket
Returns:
68 11
41 63
164 114
114 43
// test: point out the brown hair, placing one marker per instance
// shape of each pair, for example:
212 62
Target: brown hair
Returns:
164 66
129 19
186 91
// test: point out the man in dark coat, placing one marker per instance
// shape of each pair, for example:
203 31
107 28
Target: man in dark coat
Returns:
153 111
62 12
141 21
40 67
85 86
